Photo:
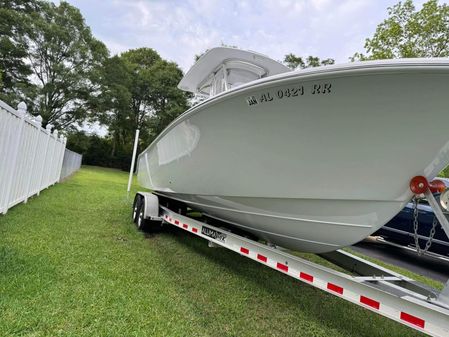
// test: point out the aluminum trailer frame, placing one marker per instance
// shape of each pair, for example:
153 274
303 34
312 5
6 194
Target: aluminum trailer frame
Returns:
373 287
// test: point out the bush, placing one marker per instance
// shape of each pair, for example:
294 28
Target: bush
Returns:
98 151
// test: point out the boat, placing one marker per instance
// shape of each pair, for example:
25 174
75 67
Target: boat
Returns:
290 156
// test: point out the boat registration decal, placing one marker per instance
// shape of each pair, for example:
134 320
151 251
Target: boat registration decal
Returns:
296 91
214 234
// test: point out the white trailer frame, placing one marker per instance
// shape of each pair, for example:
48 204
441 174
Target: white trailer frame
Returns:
375 288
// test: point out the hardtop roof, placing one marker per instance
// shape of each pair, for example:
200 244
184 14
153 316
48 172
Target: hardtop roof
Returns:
213 58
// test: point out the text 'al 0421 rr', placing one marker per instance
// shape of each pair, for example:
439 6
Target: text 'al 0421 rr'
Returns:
294 91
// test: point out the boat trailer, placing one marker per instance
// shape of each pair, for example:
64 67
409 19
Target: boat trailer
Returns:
366 284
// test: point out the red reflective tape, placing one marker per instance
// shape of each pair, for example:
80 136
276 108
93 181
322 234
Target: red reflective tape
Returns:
412 319
176 222
244 250
370 302
306 276
335 288
195 230
169 219
282 267
166 216
262 258
185 226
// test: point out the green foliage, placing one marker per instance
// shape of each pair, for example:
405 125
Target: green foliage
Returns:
296 62
168 102
64 57
114 102
14 71
410 33
51 45
100 151
444 173
138 90
140 63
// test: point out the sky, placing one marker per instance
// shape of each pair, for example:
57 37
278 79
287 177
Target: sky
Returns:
178 30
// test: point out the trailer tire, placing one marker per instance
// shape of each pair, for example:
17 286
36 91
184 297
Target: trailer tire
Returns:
136 206
141 222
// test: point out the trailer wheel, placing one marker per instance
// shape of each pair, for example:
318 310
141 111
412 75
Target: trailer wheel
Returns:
141 222
136 206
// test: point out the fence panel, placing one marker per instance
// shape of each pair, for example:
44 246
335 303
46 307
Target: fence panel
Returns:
31 157
71 163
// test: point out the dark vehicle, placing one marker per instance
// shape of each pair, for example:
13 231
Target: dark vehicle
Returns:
400 229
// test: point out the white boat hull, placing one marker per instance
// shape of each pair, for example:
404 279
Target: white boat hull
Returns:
317 171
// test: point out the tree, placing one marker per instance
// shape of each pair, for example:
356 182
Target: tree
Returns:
296 62
410 33
114 101
155 98
138 90
14 71
64 58
168 101
140 63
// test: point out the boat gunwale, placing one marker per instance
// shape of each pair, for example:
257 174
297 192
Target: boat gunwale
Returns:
331 72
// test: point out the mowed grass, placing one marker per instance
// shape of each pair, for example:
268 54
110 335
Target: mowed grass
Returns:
73 264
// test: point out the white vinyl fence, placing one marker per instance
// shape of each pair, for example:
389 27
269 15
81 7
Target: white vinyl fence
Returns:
70 164
30 156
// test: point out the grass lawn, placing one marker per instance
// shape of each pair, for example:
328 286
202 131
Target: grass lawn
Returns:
73 264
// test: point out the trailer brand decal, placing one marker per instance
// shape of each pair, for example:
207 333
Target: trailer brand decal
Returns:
296 91
212 233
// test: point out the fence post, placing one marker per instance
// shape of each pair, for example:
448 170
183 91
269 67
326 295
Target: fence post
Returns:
52 159
38 124
48 129
64 142
21 109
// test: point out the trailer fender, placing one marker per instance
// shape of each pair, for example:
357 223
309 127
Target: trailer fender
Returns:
151 204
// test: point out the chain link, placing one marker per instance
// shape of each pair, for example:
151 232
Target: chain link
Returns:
420 250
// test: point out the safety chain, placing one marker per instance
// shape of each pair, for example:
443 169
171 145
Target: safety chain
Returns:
420 250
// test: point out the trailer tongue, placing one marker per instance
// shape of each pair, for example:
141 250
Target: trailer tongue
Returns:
367 284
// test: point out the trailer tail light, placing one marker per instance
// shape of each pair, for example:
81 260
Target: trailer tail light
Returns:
437 186
419 184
